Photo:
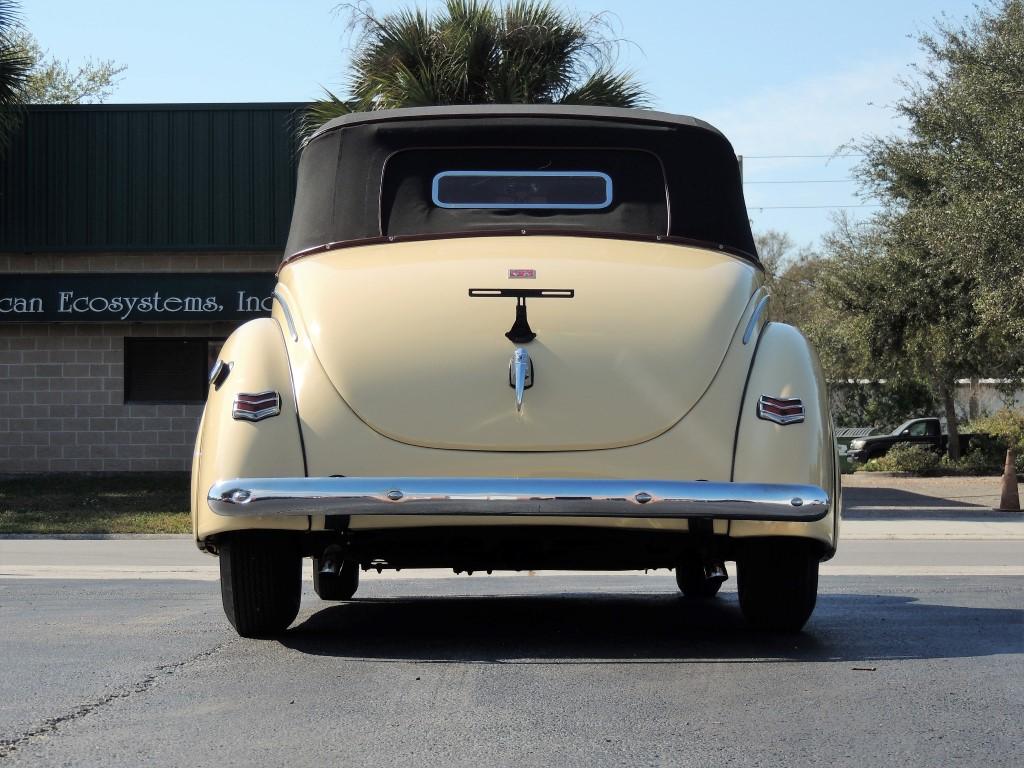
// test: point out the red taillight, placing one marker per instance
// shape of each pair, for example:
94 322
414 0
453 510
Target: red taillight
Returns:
780 410
256 406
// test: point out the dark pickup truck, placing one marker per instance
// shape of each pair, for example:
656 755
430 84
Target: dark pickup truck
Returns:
925 432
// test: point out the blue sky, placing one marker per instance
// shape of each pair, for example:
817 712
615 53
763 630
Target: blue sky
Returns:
784 78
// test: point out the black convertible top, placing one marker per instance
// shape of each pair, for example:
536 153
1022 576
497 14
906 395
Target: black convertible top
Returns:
615 114
366 176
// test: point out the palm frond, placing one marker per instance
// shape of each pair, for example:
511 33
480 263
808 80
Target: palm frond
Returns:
321 111
15 66
15 61
468 35
480 52
609 89
540 47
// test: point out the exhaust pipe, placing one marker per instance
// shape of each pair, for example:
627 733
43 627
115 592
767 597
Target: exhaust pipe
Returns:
331 560
714 572
701 576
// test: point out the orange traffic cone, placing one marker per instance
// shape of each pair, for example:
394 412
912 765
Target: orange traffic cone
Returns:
1009 500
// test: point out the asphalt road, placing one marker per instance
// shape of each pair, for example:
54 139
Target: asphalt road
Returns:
549 670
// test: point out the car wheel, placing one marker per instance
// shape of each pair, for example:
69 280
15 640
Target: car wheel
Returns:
778 587
260 584
336 586
693 582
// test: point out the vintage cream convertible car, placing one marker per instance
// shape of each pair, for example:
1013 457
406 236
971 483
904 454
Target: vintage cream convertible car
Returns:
517 337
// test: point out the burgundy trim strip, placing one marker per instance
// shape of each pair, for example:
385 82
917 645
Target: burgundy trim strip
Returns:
671 239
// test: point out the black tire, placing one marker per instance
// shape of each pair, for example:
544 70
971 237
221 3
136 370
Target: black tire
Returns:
339 586
778 586
260 584
693 585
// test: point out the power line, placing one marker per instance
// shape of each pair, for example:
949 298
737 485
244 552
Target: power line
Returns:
780 207
805 181
801 157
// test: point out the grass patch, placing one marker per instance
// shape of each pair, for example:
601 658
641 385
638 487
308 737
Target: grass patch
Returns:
129 503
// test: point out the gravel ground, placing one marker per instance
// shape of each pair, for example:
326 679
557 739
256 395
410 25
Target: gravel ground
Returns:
964 491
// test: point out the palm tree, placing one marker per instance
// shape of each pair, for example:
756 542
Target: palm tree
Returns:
14 68
476 52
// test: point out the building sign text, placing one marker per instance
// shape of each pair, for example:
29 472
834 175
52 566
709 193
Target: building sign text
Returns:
128 298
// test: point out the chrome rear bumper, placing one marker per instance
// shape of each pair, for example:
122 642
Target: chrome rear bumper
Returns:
516 497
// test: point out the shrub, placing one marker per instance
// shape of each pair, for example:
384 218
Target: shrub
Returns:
977 462
1004 429
905 458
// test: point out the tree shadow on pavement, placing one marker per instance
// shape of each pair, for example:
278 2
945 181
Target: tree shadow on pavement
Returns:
648 628
895 504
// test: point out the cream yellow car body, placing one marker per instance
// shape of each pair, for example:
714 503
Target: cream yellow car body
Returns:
698 444
641 411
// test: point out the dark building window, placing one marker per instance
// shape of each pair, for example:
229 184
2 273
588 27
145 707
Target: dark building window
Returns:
168 370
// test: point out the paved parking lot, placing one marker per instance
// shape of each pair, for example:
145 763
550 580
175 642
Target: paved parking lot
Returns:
592 670
116 653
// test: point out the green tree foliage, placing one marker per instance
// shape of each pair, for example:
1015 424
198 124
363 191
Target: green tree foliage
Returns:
882 404
932 288
912 314
52 81
954 186
479 52
1007 426
796 279
14 70
791 276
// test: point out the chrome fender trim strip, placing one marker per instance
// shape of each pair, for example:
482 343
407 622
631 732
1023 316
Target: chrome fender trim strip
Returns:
752 323
287 315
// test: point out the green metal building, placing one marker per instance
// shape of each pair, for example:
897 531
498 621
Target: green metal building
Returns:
133 239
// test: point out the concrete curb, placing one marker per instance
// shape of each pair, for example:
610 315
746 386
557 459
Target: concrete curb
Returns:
212 573
849 530
92 536
987 528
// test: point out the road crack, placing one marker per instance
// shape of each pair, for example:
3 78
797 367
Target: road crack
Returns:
10 745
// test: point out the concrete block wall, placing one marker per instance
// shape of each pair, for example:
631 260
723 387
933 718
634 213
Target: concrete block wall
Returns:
62 403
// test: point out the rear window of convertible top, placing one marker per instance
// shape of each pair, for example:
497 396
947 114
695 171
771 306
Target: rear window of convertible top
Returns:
435 191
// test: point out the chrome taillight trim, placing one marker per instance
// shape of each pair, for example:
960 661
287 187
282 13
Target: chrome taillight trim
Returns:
219 373
256 406
780 410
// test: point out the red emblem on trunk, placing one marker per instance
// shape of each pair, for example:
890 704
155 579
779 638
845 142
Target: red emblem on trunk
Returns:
521 274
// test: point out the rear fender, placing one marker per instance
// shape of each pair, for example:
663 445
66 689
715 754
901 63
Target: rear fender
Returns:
227 448
786 366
